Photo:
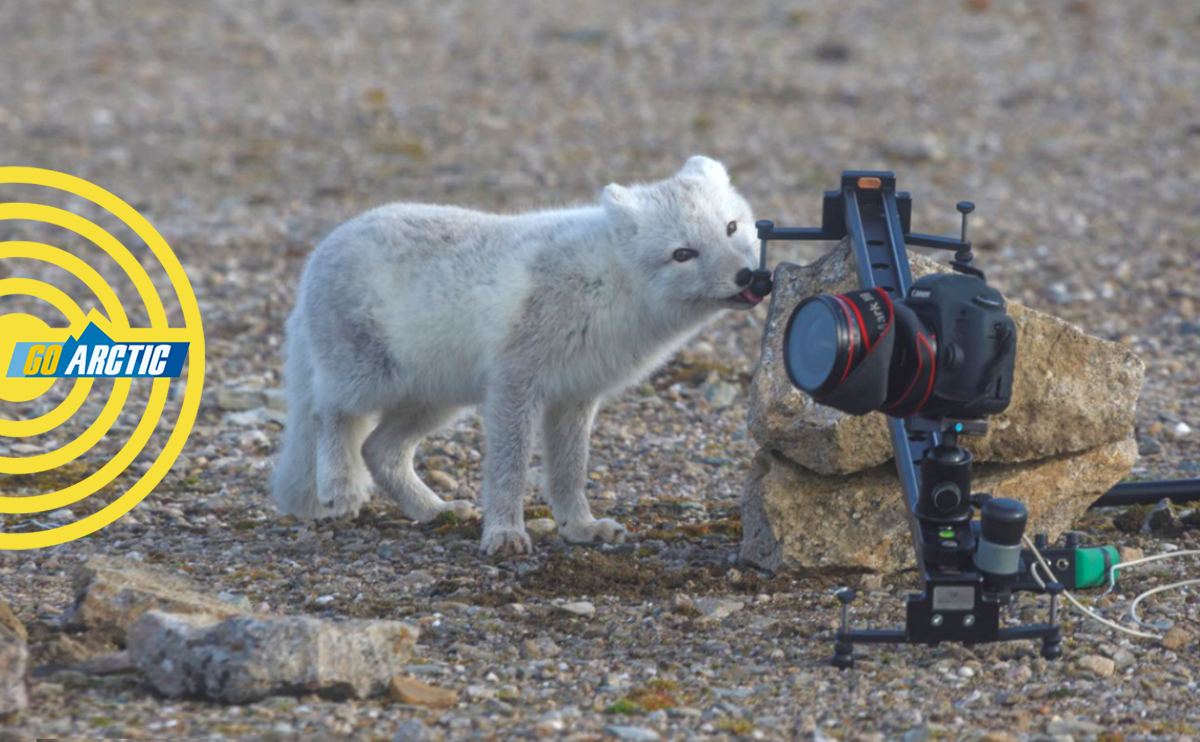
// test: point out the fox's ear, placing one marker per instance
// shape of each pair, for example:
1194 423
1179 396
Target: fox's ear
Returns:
618 202
705 167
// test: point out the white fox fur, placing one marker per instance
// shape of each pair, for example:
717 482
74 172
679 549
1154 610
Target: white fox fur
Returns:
410 313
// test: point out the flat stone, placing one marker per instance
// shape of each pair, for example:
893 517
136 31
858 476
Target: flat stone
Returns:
794 517
418 693
540 529
578 608
1097 665
112 593
1176 639
1073 726
14 660
716 609
540 648
631 734
719 393
1123 658
417 578
1071 392
112 663
1131 553
246 659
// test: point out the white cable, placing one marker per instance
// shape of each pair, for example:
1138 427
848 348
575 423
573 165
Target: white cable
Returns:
1174 585
1079 606
1112 581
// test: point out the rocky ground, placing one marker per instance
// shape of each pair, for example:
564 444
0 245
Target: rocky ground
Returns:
245 131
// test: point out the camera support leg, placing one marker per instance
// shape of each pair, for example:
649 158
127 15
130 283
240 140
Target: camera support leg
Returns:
843 649
1052 640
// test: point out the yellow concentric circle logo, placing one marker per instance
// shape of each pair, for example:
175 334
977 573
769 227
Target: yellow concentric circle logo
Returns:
34 355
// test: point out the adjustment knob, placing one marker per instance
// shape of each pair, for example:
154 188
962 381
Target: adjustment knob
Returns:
964 208
1002 521
947 497
761 285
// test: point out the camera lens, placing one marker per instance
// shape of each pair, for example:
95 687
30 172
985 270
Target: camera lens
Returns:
819 338
913 365
829 337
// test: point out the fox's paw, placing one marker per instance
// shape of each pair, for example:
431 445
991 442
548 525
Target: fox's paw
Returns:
344 503
505 541
602 531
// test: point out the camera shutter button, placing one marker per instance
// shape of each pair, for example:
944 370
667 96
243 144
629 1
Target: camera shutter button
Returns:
947 496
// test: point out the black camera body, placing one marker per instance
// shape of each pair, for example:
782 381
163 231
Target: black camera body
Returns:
947 349
974 345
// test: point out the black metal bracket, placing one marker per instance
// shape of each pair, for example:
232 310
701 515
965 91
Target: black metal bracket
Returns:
954 603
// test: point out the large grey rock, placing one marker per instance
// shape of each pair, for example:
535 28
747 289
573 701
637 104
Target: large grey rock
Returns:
246 659
794 517
1071 392
14 657
112 593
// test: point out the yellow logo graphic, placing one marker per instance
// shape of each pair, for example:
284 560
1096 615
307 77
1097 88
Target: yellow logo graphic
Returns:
33 356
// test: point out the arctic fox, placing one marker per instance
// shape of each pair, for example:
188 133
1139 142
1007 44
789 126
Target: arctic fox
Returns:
410 313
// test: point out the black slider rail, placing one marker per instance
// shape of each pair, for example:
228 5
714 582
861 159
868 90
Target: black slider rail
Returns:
868 209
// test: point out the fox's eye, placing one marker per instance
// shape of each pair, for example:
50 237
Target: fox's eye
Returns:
684 254
730 228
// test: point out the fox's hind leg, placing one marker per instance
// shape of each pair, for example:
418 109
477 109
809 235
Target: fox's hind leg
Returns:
343 482
389 452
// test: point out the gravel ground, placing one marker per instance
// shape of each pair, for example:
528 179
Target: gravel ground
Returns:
245 131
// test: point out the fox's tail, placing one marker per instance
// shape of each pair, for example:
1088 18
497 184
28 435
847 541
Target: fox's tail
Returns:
294 479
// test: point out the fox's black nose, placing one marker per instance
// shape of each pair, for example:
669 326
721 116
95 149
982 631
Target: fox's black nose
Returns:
744 277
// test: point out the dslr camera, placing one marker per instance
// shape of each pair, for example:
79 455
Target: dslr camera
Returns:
947 349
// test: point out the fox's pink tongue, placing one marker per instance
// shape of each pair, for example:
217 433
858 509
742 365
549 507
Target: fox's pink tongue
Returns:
751 296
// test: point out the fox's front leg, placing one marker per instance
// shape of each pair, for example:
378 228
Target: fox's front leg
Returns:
507 422
566 429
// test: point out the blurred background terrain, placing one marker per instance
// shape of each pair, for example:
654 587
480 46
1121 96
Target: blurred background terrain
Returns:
245 131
